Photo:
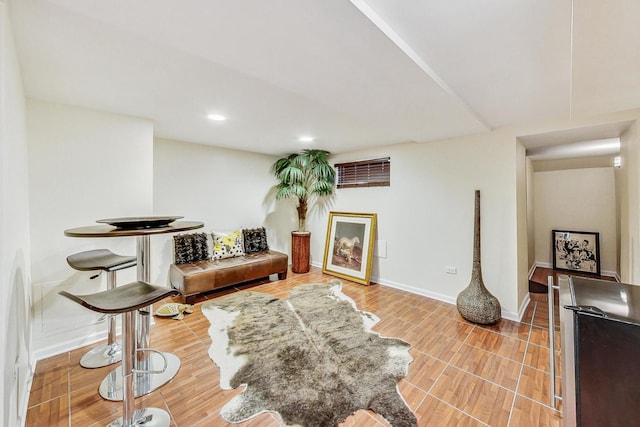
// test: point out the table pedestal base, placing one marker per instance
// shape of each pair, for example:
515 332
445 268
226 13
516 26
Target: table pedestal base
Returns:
111 387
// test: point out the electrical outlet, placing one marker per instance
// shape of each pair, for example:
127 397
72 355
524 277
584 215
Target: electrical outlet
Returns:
450 270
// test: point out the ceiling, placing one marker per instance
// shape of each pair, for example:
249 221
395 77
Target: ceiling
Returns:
352 74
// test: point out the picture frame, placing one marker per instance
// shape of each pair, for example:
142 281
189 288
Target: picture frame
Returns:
576 251
348 251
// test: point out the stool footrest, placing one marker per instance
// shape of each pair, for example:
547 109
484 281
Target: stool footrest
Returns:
152 371
111 385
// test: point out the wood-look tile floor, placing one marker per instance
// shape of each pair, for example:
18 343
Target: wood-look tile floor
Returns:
461 375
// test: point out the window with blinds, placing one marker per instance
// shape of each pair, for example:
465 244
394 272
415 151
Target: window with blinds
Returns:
365 173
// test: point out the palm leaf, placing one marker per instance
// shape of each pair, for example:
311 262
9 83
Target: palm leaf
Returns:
291 175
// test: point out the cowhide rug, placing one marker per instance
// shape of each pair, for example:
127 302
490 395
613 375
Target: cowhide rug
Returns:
312 358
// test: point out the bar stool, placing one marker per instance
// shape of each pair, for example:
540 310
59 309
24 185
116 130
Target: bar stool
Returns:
126 300
105 260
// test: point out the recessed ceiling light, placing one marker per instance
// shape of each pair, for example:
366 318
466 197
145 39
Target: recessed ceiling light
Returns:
216 117
306 139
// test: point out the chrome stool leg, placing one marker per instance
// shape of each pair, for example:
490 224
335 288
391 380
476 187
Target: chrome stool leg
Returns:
151 417
111 387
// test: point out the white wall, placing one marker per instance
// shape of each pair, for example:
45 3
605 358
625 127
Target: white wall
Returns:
523 220
628 181
225 189
426 216
578 200
15 293
84 165
531 243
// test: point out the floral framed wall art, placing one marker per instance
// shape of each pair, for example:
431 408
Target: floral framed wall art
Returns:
576 251
348 251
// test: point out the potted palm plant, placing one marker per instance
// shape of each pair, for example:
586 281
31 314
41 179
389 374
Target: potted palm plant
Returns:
304 176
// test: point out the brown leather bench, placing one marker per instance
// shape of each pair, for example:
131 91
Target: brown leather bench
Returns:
203 276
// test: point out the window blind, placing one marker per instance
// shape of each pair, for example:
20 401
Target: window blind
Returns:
365 173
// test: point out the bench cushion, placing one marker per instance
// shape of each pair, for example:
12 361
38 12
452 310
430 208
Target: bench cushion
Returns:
190 247
203 276
255 240
227 245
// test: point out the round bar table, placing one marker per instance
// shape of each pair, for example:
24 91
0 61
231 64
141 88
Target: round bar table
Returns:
150 363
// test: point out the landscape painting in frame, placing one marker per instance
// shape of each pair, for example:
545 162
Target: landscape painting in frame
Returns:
576 251
348 250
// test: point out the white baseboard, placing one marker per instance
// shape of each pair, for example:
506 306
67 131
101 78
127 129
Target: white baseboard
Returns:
72 344
543 264
433 295
440 297
523 307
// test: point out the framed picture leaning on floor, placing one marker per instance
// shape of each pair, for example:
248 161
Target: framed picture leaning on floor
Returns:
348 248
576 251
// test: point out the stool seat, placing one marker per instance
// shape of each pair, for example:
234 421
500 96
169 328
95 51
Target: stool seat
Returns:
100 259
122 299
